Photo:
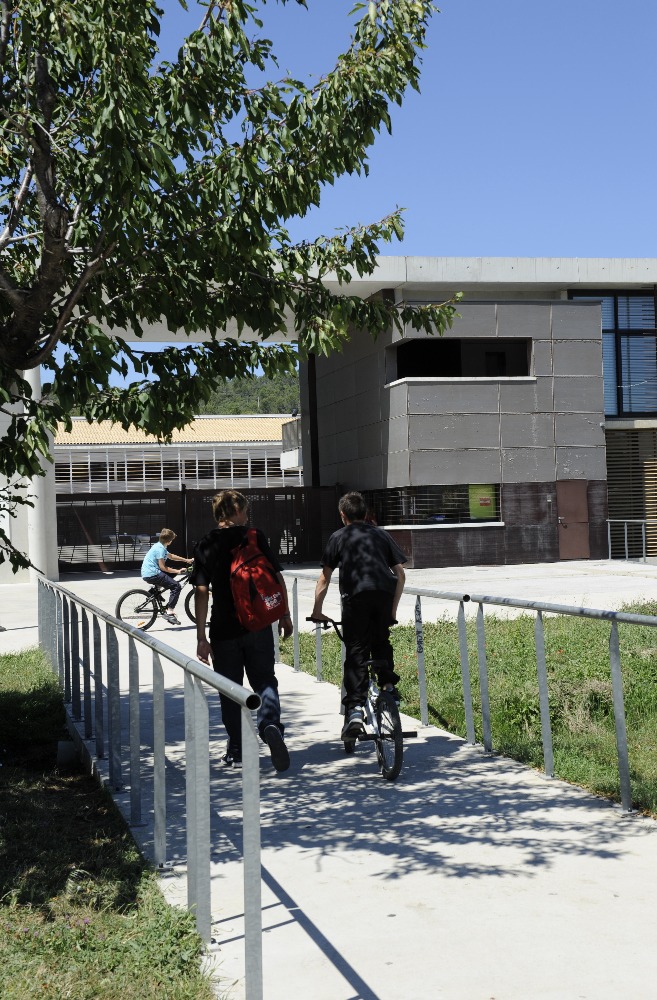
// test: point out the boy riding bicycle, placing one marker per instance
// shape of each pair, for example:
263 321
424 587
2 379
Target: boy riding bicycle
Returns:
371 582
154 570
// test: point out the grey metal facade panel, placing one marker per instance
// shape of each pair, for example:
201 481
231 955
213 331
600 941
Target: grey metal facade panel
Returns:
527 397
528 465
453 431
369 440
524 319
455 467
576 320
397 396
581 463
475 320
453 397
579 429
369 405
579 395
397 434
346 446
577 357
541 360
396 469
518 430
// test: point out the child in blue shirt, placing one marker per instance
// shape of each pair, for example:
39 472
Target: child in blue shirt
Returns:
154 570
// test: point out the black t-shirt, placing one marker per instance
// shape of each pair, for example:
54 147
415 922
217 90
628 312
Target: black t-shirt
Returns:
212 559
365 555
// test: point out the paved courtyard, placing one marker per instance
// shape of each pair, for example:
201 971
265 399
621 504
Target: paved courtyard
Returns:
470 878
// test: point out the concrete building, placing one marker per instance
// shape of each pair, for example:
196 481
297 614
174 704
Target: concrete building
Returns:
489 445
512 439
213 452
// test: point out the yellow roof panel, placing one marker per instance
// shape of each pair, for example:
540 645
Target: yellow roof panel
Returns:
205 430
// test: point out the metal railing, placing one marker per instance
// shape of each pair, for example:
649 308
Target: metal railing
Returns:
97 694
540 608
632 540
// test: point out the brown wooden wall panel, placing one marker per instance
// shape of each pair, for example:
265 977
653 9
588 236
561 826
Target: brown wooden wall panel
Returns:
527 503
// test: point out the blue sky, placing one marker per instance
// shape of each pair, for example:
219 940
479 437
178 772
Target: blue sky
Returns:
534 133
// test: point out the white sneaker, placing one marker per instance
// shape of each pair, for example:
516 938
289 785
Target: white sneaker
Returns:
354 724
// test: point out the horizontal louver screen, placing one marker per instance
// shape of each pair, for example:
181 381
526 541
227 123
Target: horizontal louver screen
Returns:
632 491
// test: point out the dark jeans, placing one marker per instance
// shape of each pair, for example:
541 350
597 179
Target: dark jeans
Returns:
366 621
167 582
252 653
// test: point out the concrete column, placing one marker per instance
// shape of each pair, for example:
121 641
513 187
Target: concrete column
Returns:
42 518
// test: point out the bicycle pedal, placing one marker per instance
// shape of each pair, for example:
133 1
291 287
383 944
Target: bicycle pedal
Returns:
411 735
362 737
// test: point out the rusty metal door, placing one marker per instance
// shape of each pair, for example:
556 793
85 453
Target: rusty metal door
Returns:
573 512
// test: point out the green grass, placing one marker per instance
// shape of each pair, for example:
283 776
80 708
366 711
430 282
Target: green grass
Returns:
581 707
81 912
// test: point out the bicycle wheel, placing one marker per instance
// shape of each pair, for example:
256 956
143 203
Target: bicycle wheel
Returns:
190 605
138 608
389 742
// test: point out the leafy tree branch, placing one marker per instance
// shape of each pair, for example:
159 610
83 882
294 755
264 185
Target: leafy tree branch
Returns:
137 192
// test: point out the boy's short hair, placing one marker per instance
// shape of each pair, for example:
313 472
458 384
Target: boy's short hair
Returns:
227 503
353 506
167 535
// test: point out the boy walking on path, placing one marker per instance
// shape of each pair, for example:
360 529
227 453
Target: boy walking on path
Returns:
154 570
371 583
232 649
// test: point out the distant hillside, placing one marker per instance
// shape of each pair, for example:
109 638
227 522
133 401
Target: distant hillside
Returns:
255 395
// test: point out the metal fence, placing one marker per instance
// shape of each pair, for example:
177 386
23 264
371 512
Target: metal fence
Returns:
540 608
631 538
101 686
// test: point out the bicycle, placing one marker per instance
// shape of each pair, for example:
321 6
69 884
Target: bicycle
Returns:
141 607
382 722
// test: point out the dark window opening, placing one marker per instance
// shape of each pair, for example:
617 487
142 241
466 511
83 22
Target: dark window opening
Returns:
463 504
460 358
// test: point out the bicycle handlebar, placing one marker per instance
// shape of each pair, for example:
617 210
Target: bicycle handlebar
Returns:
327 623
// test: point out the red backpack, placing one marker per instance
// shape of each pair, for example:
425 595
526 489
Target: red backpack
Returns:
257 594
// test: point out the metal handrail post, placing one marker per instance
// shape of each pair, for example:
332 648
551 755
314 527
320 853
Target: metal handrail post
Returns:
619 718
465 675
197 748
113 708
318 651
627 551
75 663
295 622
41 625
421 670
609 538
483 680
60 640
67 651
643 534
277 644
252 865
159 765
190 796
98 691
541 670
135 733
86 676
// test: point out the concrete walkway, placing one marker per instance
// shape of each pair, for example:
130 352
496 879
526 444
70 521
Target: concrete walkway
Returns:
470 878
